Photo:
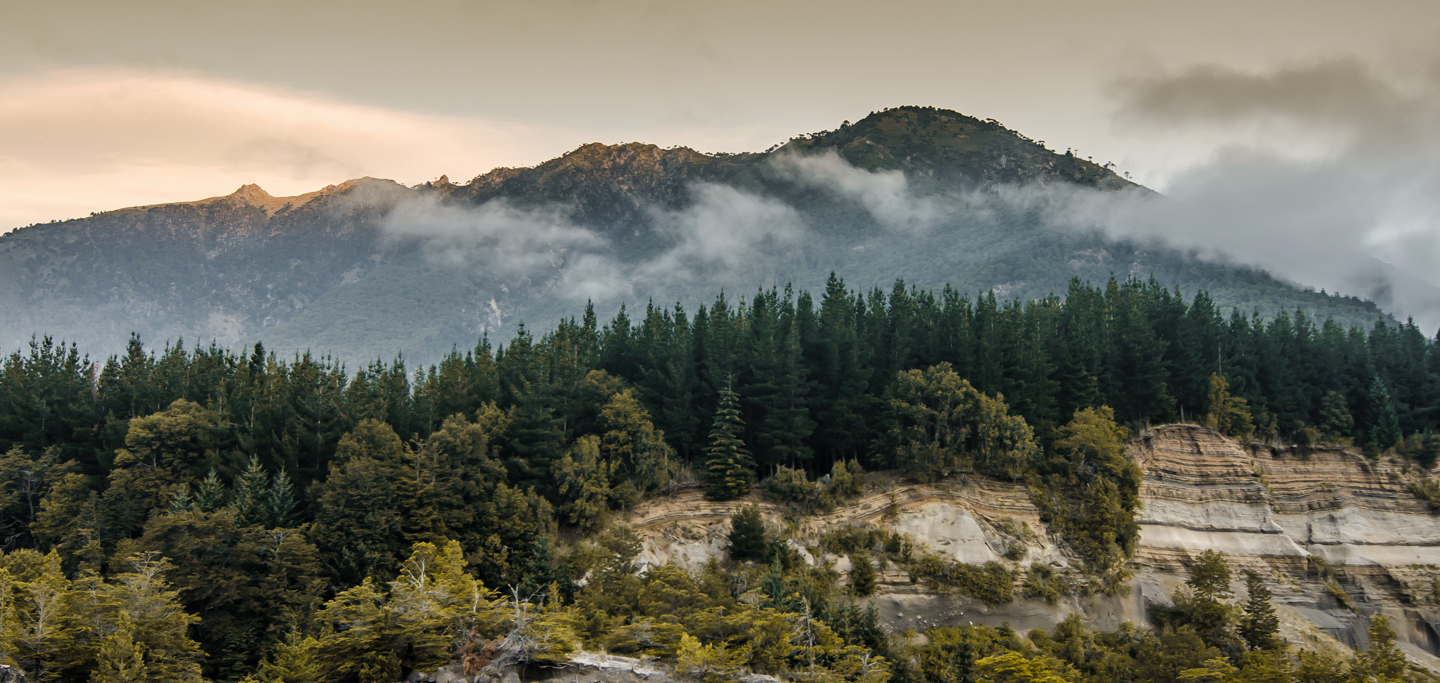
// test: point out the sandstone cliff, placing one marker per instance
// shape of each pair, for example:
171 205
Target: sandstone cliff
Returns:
1336 536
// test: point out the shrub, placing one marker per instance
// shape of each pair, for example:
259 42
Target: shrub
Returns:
747 535
789 485
992 583
862 575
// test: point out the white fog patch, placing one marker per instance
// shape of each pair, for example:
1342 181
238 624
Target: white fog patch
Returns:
886 195
725 236
724 230
496 236
596 277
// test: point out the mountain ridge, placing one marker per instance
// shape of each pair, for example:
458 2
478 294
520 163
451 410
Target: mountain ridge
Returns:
369 267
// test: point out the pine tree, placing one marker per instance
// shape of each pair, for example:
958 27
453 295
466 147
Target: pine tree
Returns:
1384 422
250 493
862 574
1208 611
746 540
211 494
730 467
1226 413
280 503
1336 422
182 500
1382 662
161 624
1259 626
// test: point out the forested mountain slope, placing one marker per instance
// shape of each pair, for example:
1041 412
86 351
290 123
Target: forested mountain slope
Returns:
370 268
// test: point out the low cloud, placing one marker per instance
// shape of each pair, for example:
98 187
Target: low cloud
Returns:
725 233
886 195
494 237
1358 214
725 237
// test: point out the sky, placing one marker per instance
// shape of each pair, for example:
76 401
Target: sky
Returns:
1279 122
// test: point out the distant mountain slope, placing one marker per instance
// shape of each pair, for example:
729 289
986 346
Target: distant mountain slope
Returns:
370 268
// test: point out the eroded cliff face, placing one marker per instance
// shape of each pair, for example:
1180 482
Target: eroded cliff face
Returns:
1325 527
1315 526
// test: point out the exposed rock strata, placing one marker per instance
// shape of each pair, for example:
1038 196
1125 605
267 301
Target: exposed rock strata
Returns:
1311 524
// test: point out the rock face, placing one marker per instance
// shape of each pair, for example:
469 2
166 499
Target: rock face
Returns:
1337 537
1319 524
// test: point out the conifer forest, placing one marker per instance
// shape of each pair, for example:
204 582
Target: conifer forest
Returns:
186 513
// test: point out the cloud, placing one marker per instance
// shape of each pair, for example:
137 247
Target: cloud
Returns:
723 231
1366 108
537 246
1358 212
886 195
725 237
501 238
77 141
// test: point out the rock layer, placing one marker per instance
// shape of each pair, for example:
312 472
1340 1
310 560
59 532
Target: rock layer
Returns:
1336 536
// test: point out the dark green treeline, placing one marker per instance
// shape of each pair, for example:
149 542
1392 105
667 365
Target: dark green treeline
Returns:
810 376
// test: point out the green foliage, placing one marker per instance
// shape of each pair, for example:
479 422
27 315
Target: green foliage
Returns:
1228 414
992 583
1382 661
121 659
211 494
250 582
1425 489
789 485
1044 583
1092 490
584 482
730 468
1336 423
862 575
1384 429
747 538
1259 626
373 633
632 442
941 424
848 540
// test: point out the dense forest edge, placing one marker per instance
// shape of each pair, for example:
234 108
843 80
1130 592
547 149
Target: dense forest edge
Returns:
191 513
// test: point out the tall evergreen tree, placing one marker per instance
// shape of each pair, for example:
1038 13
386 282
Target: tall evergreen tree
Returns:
1259 626
729 466
250 493
1384 421
280 502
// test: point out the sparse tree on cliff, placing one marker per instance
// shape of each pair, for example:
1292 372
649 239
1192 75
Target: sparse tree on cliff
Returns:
1230 415
1259 626
747 535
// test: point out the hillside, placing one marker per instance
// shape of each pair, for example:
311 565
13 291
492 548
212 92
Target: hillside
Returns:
1360 534
369 268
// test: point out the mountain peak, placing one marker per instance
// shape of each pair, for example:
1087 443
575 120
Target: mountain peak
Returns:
949 145
250 193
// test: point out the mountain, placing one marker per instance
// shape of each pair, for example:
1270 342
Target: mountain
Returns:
370 267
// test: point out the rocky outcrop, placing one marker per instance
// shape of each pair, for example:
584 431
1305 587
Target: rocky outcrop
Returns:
1336 536
1340 537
